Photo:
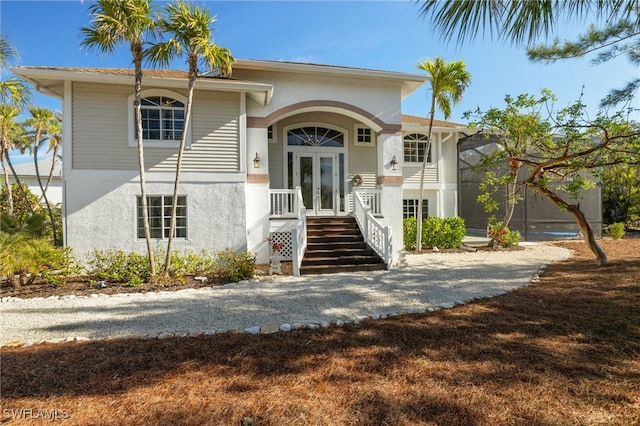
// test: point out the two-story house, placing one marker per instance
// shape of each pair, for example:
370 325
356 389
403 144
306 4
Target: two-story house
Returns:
269 150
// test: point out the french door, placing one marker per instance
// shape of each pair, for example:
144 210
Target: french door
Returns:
318 176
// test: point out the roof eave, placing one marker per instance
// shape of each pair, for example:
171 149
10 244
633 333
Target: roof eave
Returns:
261 92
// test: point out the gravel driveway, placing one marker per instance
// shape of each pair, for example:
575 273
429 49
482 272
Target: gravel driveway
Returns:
430 281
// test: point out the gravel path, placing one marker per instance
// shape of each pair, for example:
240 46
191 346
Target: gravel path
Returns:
431 281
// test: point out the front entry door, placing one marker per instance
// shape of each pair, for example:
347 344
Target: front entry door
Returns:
316 173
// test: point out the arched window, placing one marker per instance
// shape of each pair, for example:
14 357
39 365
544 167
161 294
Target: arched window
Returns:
163 118
315 136
415 145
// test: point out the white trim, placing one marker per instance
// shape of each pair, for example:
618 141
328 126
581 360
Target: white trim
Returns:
155 176
152 143
244 166
372 135
67 147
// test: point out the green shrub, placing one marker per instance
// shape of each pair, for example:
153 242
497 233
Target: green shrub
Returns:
409 231
436 232
133 269
617 230
189 263
234 266
27 258
117 266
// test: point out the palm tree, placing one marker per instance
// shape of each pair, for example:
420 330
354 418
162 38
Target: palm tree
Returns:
126 21
448 83
14 90
189 29
516 20
54 137
12 136
42 122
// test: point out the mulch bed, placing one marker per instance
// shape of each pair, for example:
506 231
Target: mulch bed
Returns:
563 351
84 287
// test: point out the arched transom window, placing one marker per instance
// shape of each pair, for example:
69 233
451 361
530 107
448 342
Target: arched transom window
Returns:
162 118
315 136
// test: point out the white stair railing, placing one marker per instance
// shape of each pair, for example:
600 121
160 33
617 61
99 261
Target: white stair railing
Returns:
299 233
283 203
372 198
375 233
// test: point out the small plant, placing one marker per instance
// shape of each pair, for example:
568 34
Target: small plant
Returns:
189 263
234 266
617 230
502 237
275 247
409 230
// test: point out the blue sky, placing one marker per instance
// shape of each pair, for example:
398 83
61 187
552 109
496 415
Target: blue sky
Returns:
384 35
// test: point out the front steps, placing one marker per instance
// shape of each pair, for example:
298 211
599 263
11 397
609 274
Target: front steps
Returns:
335 244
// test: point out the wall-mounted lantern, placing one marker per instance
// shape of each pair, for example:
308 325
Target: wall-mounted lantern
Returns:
394 163
256 162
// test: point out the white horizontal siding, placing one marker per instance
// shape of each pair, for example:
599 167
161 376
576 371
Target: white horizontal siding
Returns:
363 161
411 174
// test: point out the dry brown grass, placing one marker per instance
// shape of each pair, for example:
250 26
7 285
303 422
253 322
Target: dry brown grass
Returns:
563 351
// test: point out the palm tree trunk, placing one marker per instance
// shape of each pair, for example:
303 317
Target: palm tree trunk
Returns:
137 55
176 183
44 194
53 166
432 114
24 194
7 184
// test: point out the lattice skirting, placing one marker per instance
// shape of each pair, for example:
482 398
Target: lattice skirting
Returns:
286 250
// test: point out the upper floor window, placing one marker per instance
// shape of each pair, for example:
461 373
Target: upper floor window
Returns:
415 145
163 118
364 136
270 138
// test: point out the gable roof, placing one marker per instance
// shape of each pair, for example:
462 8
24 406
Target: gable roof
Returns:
408 82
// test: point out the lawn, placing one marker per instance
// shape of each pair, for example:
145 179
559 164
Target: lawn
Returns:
562 351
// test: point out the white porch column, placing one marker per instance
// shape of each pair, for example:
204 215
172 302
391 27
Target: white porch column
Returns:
390 182
257 193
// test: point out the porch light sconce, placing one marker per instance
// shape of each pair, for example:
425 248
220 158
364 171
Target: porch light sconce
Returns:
394 163
256 162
